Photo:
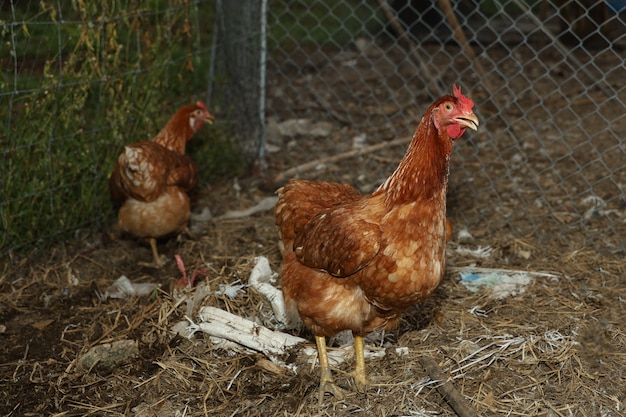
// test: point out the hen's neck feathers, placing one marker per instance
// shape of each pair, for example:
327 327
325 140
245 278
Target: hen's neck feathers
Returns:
176 132
423 172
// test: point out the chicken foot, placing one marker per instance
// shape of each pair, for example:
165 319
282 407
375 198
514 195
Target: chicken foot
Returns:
327 383
159 260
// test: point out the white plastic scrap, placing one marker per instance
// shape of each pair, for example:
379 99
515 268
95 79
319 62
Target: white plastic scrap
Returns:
479 252
477 312
501 283
261 279
402 351
231 290
421 412
358 142
123 288
464 235
597 207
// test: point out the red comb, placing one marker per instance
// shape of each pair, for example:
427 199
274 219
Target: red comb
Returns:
201 105
465 102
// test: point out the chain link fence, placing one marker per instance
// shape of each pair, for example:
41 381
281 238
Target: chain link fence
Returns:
78 81
547 77
237 72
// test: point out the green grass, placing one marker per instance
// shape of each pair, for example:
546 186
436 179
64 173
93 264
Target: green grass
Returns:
75 90
320 23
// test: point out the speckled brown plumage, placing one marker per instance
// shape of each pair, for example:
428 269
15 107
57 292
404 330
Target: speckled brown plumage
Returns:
151 179
356 262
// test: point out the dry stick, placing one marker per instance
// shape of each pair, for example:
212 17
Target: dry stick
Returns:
460 36
327 107
282 177
567 53
471 56
453 397
410 47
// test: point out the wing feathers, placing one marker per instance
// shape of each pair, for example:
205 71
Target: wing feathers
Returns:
313 221
300 200
144 169
337 242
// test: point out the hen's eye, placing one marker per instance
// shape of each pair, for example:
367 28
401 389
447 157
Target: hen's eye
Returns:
447 107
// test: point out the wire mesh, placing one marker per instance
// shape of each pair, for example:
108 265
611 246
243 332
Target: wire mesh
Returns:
238 72
547 77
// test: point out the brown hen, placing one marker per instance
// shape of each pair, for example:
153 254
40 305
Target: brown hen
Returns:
151 179
356 262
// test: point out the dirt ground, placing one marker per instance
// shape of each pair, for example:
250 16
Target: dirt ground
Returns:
555 346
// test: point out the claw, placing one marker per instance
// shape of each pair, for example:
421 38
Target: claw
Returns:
331 388
327 383
159 260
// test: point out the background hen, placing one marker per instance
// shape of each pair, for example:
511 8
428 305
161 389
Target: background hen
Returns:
356 262
151 179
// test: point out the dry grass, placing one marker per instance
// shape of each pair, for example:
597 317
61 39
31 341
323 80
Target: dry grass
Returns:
555 350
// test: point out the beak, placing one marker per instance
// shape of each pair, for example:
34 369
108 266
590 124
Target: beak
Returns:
468 120
208 118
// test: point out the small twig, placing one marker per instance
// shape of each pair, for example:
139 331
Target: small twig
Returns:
411 48
473 59
327 107
564 50
282 177
446 7
453 397
266 204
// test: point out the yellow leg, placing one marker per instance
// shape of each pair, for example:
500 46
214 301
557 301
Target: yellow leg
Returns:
327 383
360 375
158 260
